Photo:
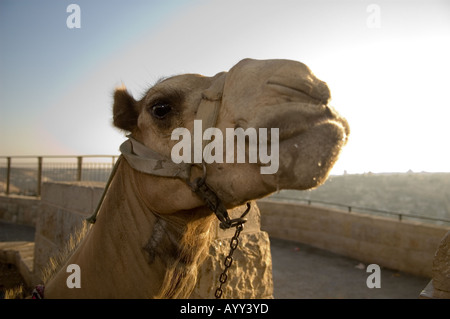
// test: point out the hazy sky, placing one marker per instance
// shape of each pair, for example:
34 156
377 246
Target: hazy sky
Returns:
386 63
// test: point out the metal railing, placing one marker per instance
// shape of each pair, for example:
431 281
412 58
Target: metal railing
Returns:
351 208
24 175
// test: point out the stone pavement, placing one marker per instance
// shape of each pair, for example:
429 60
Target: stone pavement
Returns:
299 271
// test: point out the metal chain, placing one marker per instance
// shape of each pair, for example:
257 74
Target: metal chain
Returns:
229 260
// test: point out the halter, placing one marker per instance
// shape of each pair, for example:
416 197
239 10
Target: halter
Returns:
147 161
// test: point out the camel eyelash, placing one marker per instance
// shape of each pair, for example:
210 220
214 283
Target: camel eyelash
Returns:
172 98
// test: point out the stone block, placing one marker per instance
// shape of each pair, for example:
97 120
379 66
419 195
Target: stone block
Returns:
81 197
19 209
250 275
441 268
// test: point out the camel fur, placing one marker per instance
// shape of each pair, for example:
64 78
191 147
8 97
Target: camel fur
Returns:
152 233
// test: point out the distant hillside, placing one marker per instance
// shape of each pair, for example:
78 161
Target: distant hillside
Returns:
425 194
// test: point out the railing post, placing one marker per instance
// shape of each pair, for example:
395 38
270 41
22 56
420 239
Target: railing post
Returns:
39 176
8 174
79 167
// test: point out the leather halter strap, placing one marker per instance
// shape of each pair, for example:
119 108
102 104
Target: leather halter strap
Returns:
145 160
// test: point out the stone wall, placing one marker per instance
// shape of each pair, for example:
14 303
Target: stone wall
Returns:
63 208
65 205
19 209
405 246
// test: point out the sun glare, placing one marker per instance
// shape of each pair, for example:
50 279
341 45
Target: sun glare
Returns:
393 95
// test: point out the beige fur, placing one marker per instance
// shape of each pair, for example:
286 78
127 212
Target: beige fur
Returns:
152 233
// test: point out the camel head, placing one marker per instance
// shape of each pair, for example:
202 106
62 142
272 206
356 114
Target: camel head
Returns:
298 135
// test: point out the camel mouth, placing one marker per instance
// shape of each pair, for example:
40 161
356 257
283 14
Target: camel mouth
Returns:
323 134
339 131
296 122
309 145
308 155
341 125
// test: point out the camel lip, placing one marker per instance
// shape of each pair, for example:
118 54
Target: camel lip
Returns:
311 126
295 123
307 157
302 89
342 126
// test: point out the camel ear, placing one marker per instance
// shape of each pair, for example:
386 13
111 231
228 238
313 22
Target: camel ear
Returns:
125 113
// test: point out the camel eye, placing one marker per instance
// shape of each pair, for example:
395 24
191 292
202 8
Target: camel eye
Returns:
160 110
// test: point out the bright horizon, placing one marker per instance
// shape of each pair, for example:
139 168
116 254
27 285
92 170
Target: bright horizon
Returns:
387 72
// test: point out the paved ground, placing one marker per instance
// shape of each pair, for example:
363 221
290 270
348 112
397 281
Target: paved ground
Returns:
301 271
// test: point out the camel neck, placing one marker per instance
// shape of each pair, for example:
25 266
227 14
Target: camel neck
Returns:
133 252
